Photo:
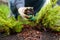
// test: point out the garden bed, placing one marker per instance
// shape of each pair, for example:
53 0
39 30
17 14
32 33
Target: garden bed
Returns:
31 34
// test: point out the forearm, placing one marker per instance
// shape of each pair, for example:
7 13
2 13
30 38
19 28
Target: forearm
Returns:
20 6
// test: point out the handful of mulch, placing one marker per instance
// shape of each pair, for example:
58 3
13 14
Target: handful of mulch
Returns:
30 12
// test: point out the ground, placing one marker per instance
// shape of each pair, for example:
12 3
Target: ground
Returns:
32 34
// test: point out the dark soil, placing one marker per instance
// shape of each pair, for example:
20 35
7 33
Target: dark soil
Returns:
31 34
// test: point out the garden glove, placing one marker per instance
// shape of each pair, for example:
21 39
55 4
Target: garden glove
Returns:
21 12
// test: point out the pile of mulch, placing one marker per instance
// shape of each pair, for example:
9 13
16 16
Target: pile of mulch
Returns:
31 34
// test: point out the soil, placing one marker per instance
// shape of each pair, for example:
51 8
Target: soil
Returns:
31 34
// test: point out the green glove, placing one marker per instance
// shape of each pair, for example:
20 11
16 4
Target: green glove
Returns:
31 18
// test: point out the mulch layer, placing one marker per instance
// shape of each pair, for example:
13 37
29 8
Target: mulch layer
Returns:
31 34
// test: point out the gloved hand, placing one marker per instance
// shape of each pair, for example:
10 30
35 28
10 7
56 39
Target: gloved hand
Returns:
21 12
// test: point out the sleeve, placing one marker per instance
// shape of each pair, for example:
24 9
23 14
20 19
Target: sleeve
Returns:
20 3
9 4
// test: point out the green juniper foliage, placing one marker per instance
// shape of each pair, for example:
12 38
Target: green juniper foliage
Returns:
49 16
10 23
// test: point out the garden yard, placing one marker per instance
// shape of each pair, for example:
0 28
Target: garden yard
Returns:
45 26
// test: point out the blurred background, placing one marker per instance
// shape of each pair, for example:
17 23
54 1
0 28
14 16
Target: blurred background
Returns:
3 1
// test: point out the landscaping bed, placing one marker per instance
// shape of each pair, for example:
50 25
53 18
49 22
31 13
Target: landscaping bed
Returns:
32 34
45 26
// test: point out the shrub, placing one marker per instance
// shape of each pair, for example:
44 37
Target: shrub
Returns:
49 16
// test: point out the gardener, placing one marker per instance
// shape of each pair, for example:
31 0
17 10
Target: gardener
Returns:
18 6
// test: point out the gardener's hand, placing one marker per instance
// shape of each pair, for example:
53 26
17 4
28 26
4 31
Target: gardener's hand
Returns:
21 12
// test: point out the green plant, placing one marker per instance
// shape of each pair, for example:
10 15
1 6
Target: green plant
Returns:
49 16
6 24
